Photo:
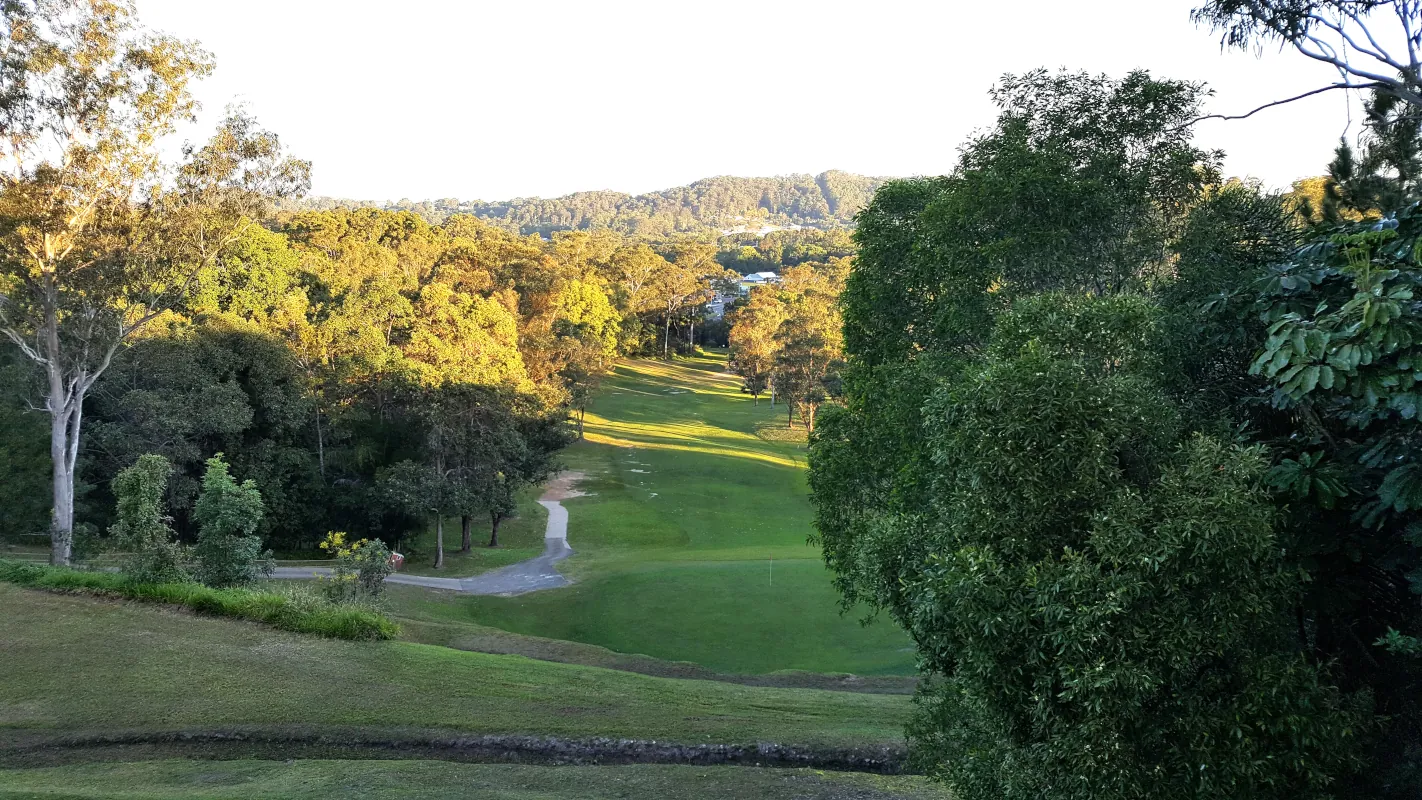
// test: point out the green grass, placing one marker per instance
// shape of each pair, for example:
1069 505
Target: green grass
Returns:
313 616
693 492
486 639
76 664
417 780
782 617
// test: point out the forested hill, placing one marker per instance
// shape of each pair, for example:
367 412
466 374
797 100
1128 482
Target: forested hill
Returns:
724 203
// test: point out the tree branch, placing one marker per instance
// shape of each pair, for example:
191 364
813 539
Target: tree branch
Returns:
1404 12
1377 54
1310 93
14 336
1393 85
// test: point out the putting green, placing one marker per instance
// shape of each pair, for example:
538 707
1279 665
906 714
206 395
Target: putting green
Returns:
692 543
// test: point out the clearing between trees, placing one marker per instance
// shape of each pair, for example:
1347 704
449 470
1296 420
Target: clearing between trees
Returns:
692 540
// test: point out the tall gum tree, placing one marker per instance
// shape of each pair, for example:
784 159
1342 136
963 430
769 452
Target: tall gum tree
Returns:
97 238
1373 45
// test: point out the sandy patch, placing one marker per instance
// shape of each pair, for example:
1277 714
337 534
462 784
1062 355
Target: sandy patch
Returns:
563 486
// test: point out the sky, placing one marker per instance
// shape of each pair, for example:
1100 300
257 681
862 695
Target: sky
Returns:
485 100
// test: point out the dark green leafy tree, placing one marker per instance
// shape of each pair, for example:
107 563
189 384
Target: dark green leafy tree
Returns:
527 460
1100 598
227 513
204 388
423 491
1338 333
24 453
1078 186
1234 234
1090 567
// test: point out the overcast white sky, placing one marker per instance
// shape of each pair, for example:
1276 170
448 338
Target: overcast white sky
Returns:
494 99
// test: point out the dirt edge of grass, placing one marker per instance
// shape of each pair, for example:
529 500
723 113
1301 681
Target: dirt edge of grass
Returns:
40 750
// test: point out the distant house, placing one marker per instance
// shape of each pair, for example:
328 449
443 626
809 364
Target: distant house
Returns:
755 279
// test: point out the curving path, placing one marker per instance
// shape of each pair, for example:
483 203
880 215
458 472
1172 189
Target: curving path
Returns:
533 575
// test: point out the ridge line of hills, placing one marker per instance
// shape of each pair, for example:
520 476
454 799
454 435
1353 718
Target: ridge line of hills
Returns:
723 203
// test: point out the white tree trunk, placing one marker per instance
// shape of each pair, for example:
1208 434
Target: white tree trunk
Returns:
63 452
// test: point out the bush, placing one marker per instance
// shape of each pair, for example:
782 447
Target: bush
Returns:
360 568
289 611
227 513
143 529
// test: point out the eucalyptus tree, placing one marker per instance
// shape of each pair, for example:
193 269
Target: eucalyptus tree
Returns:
1371 44
94 243
753 343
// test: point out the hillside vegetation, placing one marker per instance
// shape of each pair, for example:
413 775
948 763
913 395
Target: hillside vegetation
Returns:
828 200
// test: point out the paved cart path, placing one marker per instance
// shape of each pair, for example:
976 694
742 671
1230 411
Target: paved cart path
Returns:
532 575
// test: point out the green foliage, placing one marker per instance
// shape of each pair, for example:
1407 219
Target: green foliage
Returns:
227 513
359 570
1077 187
588 316
142 526
1098 590
1101 599
205 388
286 612
24 453
1332 333
1231 236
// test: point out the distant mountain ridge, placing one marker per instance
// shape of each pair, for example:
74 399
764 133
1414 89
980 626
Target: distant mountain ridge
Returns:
723 203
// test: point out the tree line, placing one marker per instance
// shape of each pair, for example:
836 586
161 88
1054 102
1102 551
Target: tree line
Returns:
367 370
825 201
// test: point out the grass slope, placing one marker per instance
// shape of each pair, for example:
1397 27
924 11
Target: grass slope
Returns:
75 665
692 545
416 780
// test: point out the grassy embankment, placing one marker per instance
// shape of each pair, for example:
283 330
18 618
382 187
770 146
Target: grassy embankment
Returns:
300 614
425 780
77 665
692 542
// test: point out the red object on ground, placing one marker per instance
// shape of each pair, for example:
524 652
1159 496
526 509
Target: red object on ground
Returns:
397 561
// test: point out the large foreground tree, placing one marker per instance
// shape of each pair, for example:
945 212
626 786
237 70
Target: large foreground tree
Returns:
1095 581
94 243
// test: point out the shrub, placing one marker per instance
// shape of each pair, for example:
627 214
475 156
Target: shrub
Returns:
292 610
360 568
229 553
143 529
